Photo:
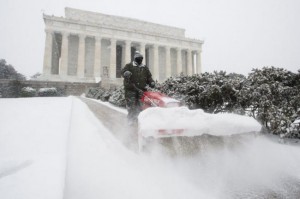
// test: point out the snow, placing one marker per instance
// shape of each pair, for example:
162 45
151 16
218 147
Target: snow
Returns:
33 137
52 89
28 89
297 121
169 100
195 122
121 110
56 148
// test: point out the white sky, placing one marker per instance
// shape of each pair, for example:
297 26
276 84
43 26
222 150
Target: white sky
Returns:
239 34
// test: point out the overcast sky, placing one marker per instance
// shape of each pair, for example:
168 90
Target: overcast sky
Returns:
238 34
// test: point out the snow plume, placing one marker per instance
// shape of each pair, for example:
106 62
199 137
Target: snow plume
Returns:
99 166
243 167
195 122
58 149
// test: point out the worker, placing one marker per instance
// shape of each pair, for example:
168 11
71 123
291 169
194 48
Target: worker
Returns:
136 77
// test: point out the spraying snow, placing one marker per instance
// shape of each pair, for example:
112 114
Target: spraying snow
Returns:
195 122
56 148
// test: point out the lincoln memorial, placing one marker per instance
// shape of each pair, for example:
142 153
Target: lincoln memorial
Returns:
91 47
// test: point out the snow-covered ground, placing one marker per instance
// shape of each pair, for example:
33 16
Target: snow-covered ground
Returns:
56 148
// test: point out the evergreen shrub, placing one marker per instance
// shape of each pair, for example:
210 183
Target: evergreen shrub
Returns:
47 92
28 92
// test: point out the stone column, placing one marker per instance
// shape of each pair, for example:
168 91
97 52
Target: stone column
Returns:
189 62
142 51
127 52
97 63
64 54
81 57
179 61
48 53
113 54
199 68
155 63
168 62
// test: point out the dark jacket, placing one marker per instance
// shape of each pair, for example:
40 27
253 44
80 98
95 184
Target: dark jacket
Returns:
141 76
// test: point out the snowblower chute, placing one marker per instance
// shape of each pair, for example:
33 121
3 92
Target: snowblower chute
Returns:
164 117
156 99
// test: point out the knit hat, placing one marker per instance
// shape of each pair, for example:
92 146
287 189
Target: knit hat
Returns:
137 54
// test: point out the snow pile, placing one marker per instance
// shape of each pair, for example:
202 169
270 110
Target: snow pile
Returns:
33 139
195 122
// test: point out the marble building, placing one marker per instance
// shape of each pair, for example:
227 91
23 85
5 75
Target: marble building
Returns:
86 46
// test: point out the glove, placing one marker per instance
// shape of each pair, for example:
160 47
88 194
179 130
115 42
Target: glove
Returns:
127 74
141 92
152 84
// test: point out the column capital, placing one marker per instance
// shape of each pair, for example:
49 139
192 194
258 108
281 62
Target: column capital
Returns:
65 34
97 38
178 49
127 43
155 45
81 36
113 40
185 49
49 30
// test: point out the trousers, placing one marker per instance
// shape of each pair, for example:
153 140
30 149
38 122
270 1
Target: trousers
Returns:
133 106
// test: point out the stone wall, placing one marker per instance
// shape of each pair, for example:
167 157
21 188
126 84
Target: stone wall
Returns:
8 88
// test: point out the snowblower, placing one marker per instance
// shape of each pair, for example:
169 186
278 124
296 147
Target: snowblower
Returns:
156 99
166 121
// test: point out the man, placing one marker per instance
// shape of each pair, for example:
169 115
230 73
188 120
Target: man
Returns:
136 77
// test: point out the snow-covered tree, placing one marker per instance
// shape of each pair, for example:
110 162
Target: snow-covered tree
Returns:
213 92
274 96
270 95
7 71
118 97
36 75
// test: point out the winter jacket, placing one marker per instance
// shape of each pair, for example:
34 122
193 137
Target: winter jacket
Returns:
141 76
